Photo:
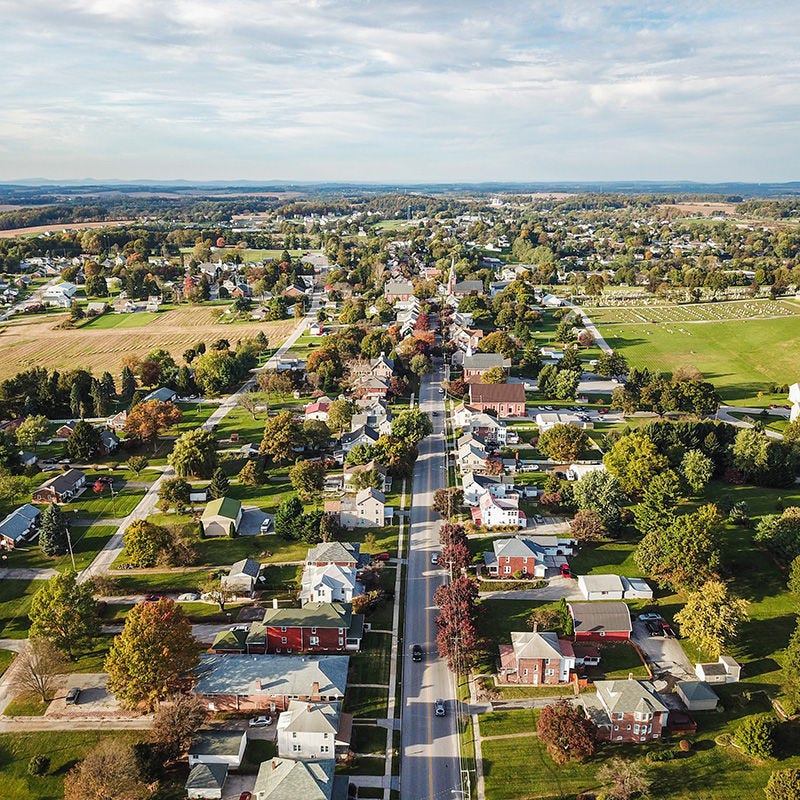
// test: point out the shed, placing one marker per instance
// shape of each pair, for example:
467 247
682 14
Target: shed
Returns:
218 747
598 621
163 395
601 587
725 670
636 589
220 514
243 576
205 781
697 695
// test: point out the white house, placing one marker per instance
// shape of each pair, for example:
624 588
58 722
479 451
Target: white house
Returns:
487 427
794 399
577 471
475 485
494 512
550 419
313 731
601 587
242 577
60 295
218 747
367 509
331 583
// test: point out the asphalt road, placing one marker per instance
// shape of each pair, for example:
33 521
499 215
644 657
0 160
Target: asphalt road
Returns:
430 766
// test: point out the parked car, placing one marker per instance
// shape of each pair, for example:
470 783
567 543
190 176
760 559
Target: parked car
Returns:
439 708
434 559
654 629
417 653
260 722
266 525
538 519
188 597
381 557
72 696
566 572
649 616
152 598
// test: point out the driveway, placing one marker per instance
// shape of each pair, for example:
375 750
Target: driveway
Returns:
665 655
236 784
94 700
252 518
557 588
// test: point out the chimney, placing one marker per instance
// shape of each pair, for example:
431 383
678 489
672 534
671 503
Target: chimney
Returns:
274 764
274 602
630 676
535 627
315 689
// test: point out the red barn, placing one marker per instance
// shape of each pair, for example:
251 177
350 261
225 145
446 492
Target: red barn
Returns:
599 621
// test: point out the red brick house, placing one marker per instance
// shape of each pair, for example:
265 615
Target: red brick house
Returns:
536 658
627 711
505 399
601 621
60 489
478 364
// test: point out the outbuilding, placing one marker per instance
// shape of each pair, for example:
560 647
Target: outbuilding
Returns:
218 747
601 587
205 781
697 695
221 516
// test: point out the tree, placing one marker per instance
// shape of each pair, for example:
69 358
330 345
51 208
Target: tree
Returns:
756 735
544 619
563 442
32 430
628 779
794 576
282 434
250 402
275 383
412 425
697 470
64 612
588 526
600 491
420 365
174 493
38 668
150 659
252 473
456 556
361 453
84 442
712 618
110 769
316 434
494 375
499 342
398 455
340 412
175 723
634 460
765 461
781 534
136 464
659 502
307 479
287 516
219 484
195 454
53 533
448 502
127 384
566 732
214 589
611 363
791 433
783 784
215 371
146 544
147 420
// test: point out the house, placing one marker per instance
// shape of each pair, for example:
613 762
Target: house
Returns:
218 747
477 365
370 386
536 658
314 731
363 435
726 670
285 779
475 485
117 422
206 781
221 516
65 430
343 554
794 399
531 555
398 290
60 295
464 288
374 413
163 395
472 453
491 430
95 309
627 711
636 589
318 410
697 695
27 459
384 478
366 509
600 621
382 367
316 329
601 587
505 399
551 419
577 471
245 684
60 488
494 512
109 441
19 525
242 577
330 583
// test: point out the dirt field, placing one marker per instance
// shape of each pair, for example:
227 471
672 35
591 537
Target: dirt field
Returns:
705 209
37 341
64 226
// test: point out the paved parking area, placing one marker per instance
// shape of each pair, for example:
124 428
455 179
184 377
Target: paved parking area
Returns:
95 699
236 784
665 655
252 518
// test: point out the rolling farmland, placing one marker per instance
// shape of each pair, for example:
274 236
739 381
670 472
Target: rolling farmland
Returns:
37 341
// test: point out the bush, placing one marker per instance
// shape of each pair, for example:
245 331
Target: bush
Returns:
756 735
685 745
39 765
658 756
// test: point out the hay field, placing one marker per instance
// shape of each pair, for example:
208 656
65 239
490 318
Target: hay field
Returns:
694 312
37 341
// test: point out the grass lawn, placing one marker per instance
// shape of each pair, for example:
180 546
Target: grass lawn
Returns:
368 739
609 557
65 749
86 544
498 618
501 723
139 582
15 602
365 702
371 665
620 660
26 704
93 660
93 506
6 657
258 751
111 320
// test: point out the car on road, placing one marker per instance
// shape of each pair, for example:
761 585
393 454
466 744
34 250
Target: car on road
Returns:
435 413
441 391
417 653
72 696
538 519
439 708
566 572
152 598
649 616
381 557
188 597
260 722
434 559
266 525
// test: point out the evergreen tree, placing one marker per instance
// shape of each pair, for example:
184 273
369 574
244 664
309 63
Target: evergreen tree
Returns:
100 400
656 512
75 400
107 382
128 383
84 442
219 484
287 518
53 532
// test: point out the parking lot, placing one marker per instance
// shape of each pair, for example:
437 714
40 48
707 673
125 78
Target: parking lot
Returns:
664 654
94 699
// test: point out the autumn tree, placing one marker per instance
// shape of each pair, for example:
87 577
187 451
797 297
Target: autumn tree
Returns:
307 479
340 412
456 556
174 493
252 473
194 454
712 618
150 659
563 442
412 425
53 532
218 592
282 434
110 769
148 420
396 454
32 430
628 779
176 721
566 732
448 502
39 667
64 612
634 460
494 375
250 402
146 544
587 526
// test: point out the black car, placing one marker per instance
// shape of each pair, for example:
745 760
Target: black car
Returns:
73 695
654 628
417 652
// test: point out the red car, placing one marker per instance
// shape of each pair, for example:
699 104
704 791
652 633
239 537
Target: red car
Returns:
381 557
245 796
152 598
566 572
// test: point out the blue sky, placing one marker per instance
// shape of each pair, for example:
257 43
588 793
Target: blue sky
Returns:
369 90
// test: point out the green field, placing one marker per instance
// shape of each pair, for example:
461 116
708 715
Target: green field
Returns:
111 320
740 356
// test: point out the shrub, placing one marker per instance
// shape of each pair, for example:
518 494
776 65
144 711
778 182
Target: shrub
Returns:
685 745
658 756
756 735
39 765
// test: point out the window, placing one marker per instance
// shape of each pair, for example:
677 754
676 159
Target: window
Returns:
283 640
635 728
283 630
324 748
620 715
313 640
507 570
296 748
549 672
313 630
341 641
525 672
294 735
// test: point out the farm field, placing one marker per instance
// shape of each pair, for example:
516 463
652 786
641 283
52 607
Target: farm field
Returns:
110 320
34 341
741 355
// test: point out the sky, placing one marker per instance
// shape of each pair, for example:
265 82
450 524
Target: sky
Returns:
373 90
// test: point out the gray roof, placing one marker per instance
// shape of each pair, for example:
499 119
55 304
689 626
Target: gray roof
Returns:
597 616
216 743
246 567
163 395
468 286
484 361
629 696
271 675
517 547
602 583
696 690
283 779
207 776
19 521
310 717
67 481
364 430
334 551
398 287
535 645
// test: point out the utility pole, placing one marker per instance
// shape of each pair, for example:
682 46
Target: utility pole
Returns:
69 544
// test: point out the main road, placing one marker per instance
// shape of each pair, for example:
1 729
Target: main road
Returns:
430 764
